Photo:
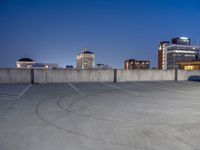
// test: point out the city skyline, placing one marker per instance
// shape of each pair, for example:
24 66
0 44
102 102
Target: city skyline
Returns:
56 31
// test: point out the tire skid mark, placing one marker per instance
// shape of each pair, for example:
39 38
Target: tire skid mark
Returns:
42 118
177 92
68 110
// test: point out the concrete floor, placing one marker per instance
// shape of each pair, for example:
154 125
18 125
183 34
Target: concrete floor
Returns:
100 116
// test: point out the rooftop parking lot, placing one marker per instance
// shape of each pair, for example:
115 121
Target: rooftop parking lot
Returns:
100 116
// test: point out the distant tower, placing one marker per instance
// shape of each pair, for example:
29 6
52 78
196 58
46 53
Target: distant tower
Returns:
85 60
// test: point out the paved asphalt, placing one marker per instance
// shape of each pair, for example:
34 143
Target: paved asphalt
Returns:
100 116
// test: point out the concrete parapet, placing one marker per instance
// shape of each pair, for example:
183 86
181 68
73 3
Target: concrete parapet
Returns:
72 75
14 75
145 75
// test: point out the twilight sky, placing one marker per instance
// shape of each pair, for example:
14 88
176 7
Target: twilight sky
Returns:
54 31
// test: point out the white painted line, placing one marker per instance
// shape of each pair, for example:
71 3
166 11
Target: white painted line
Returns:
9 98
142 84
76 89
8 93
24 91
116 87
113 86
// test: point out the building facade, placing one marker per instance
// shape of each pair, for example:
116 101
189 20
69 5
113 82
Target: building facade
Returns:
180 50
161 47
24 63
136 64
85 60
29 63
191 65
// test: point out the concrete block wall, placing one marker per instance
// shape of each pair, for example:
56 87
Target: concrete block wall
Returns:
12 75
145 75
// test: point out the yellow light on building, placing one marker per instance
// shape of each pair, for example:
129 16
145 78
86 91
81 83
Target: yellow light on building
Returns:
189 67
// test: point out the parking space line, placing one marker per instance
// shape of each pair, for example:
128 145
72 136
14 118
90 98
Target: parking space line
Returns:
142 84
116 87
8 93
113 86
76 89
9 98
24 91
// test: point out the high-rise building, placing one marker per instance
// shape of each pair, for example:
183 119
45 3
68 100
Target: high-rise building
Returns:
180 50
136 64
85 60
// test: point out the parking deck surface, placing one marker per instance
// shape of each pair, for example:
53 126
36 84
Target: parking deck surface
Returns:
100 116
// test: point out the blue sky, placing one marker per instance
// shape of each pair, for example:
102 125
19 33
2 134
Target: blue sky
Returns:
115 30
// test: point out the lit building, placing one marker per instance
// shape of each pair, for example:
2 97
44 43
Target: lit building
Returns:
181 41
136 64
179 50
85 60
24 63
161 47
191 65
29 63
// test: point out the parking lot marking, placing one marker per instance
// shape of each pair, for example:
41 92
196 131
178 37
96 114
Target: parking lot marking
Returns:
75 88
24 91
9 98
8 93
116 87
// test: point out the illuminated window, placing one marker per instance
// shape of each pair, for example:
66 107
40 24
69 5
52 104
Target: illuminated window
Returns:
189 67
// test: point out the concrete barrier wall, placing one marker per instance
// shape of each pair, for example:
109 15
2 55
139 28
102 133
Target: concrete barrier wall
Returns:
71 75
145 75
12 75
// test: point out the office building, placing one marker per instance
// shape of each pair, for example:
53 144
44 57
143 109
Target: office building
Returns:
85 60
136 64
180 50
